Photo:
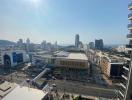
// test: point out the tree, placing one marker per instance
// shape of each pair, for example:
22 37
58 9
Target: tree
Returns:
80 97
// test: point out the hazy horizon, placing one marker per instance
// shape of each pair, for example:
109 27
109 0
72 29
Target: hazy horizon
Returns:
57 20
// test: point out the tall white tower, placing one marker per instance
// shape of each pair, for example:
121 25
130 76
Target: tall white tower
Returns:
28 44
125 91
77 40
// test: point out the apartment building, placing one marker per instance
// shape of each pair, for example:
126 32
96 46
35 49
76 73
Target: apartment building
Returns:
112 66
0 57
125 91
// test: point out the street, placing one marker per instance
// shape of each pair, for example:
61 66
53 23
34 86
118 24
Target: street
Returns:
85 89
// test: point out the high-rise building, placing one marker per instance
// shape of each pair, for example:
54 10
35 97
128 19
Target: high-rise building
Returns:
48 46
99 44
56 46
80 46
129 36
28 44
126 81
20 44
43 45
77 41
125 91
91 45
28 41
0 57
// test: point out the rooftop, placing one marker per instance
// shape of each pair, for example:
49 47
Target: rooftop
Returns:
65 55
114 58
5 88
25 93
80 56
61 54
71 55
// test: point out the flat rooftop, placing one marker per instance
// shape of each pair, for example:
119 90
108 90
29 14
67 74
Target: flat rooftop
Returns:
25 93
65 55
79 56
5 88
71 55
114 58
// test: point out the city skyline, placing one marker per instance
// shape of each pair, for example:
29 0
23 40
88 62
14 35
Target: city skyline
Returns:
60 20
65 49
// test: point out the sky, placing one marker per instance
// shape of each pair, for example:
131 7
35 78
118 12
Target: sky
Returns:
60 20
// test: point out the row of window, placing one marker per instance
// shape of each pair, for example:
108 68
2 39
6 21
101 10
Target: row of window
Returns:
72 63
104 65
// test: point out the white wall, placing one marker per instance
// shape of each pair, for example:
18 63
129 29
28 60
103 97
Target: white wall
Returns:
9 53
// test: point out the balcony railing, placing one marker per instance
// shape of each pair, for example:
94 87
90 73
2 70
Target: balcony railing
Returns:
125 73
126 78
130 16
123 85
122 91
122 95
129 35
124 82
129 26
130 6
128 46
126 68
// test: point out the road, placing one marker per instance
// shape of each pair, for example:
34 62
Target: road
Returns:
85 89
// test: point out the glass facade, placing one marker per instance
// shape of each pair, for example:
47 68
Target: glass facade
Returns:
17 58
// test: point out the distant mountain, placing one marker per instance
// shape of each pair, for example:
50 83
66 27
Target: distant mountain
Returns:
6 42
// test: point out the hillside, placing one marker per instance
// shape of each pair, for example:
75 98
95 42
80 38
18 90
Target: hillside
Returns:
6 42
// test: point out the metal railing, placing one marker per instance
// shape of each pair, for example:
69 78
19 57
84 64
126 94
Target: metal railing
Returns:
129 15
129 25
129 35
128 46
129 5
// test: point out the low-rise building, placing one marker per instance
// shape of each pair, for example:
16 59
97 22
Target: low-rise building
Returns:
5 88
71 60
112 66
71 65
10 58
12 91
64 59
